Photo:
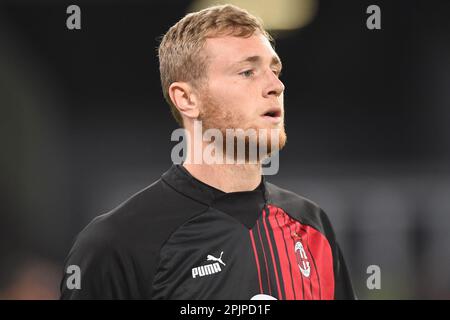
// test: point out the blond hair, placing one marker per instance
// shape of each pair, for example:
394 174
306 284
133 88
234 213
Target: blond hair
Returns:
180 51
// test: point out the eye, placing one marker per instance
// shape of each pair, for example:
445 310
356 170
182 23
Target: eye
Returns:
247 73
277 73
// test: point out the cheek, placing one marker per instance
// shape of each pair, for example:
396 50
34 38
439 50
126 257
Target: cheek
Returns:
236 98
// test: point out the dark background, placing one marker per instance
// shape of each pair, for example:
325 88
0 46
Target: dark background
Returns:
84 126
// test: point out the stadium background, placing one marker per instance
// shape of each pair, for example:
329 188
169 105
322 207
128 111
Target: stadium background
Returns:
84 126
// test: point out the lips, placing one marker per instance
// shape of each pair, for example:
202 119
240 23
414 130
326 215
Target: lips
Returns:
272 114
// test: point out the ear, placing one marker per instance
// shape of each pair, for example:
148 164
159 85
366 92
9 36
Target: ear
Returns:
185 99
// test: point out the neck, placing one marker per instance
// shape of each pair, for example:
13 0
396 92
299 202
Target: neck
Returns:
227 177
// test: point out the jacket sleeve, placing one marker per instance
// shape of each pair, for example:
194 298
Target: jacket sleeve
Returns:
343 288
106 269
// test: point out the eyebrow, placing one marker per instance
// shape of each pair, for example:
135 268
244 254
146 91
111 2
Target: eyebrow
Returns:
257 59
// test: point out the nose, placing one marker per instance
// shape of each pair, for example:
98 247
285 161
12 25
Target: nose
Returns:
274 86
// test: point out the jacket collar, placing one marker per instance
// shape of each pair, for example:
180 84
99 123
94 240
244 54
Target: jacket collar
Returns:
182 181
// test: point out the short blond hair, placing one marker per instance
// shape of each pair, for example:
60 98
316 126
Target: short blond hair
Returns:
180 51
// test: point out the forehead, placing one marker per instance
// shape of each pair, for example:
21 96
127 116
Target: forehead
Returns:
227 50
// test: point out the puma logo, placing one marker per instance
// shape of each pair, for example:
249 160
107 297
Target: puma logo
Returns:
212 258
208 269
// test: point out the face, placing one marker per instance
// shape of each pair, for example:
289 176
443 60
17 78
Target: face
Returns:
243 88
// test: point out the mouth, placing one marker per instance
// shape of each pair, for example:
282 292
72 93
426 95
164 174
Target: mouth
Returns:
273 115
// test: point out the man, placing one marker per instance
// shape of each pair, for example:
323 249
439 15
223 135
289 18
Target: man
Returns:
214 230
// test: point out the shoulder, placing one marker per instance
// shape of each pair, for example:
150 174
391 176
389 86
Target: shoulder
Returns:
118 252
299 208
147 215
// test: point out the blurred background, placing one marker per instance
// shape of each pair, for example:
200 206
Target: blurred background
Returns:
84 126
